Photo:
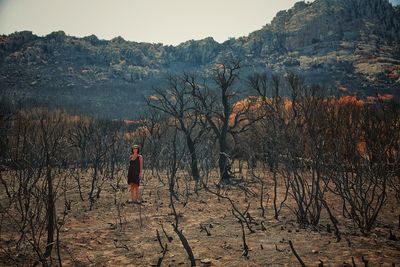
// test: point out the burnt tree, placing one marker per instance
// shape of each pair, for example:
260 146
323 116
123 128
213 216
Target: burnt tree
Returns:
176 101
217 102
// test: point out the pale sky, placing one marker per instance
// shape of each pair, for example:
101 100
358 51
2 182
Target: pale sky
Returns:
153 21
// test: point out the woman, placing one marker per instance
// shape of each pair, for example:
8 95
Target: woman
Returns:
135 173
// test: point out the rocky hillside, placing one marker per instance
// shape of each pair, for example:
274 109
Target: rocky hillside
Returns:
351 45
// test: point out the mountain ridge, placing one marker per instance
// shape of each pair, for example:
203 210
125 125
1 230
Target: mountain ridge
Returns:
352 44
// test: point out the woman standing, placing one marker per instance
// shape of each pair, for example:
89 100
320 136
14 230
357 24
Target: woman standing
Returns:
135 173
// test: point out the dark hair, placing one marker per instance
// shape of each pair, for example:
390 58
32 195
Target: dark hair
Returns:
135 146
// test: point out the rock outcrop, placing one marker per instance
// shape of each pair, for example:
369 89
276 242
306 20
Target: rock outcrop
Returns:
353 44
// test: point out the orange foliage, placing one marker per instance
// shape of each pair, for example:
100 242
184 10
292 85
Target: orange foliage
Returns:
350 100
362 146
288 104
73 118
384 97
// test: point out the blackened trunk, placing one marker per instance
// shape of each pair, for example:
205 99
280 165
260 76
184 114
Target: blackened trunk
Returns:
50 213
223 170
223 162
276 216
193 155
83 160
94 181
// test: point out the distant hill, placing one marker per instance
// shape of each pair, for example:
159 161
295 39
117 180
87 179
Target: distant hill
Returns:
349 45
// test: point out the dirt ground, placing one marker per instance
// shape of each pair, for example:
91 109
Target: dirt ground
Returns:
124 234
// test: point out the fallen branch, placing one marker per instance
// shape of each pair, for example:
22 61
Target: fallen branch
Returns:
164 249
160 259
295 254
204 228
333 220
365 261
159 241
263 228
241 215
122 244
353 262
185 244
169 238
245 247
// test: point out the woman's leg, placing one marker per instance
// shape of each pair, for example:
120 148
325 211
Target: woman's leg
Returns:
134 190
133 193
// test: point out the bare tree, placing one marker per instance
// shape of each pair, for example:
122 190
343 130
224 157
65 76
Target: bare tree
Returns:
7 112
293 133
365 158
79 137
32 184
225 117
52 134
156 125
175 156
176 101
101 142
270 129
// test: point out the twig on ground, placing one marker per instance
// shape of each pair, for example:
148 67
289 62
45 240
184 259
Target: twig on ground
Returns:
353 262
296 255
365 261
169 238
164 249
245 247
116 241
160 259
204 228
159 241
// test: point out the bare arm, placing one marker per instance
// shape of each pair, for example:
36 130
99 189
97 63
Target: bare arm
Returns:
141 166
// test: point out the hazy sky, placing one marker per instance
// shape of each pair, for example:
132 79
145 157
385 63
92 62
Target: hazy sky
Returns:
154 21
